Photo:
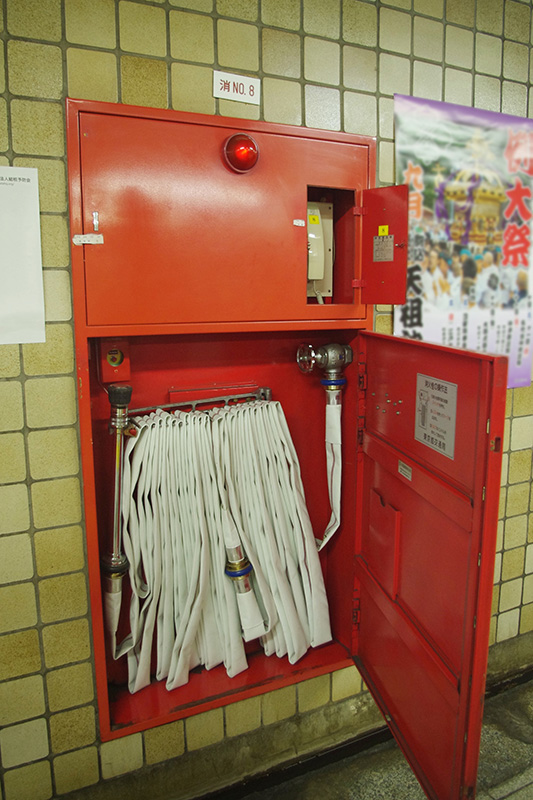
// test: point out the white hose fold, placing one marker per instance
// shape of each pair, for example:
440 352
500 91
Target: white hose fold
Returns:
334 470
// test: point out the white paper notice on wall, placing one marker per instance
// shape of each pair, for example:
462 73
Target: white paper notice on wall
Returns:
236 87
21 273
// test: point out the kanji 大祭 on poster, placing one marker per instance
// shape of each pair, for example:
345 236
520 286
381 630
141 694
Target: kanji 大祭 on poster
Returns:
470 178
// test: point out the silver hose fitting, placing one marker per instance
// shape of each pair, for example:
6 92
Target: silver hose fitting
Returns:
238 569
332 358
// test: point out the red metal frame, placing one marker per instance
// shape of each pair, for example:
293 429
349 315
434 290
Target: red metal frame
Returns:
271 285
269 359
226 352
423 659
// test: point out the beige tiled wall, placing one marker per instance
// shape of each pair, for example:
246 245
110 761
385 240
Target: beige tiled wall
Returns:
332 64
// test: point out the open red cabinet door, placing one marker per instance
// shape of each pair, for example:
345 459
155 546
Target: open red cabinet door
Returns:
384 244
430 458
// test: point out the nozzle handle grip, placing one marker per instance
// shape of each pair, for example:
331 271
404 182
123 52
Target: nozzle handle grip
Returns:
119 395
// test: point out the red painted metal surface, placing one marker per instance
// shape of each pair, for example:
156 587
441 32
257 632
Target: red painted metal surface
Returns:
425 553
213 689
384 268
139 291
202 278
194 364
185 236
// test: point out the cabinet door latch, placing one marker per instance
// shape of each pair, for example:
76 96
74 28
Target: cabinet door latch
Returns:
88 238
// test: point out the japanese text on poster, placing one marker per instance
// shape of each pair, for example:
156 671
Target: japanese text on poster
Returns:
469 174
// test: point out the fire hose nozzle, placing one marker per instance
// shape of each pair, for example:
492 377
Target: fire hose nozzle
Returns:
115 563
119 395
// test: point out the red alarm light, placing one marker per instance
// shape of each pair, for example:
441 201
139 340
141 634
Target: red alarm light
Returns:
241 152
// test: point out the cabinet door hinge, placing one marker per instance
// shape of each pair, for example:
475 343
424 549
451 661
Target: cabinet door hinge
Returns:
362 377
359 211
359 283
361 386
356 612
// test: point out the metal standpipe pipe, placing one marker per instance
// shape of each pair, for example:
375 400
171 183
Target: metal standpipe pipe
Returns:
114 562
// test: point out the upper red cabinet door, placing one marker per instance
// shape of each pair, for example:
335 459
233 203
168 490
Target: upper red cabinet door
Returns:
188 239
430 472
384 244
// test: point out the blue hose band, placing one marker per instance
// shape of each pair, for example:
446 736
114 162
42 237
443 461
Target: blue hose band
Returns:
238 573
334 382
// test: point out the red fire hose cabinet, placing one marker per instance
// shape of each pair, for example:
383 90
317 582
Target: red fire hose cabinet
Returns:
207 253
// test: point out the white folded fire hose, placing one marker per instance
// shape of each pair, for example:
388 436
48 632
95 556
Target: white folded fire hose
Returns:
332 358
244 573
219 543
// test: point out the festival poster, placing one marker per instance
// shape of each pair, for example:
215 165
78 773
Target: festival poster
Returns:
469 174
